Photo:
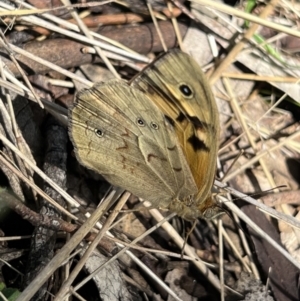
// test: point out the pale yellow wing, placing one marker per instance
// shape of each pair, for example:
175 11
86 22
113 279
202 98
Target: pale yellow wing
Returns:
177 85
118 132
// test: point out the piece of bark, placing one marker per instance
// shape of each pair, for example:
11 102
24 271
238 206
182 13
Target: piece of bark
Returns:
284 275
252 289
43 240
28 115
67 53
110 284
52 4
9 200
144 38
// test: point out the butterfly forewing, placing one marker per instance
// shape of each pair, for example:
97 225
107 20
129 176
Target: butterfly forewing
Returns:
177 85
117 131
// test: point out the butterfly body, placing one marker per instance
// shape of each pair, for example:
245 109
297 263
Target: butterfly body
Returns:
161 148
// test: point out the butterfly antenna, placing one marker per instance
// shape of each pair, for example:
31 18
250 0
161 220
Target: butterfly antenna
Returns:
229 214
232 164
261 193
187 236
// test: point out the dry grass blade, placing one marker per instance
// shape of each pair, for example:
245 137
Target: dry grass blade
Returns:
260 78
36 188
270 211
65 287
238 47
41 22
187 249
248 17
261 154
85 30
25 12
136 260
60 257
39 172
249 222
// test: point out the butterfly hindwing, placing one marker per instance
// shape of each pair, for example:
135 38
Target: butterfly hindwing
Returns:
117 131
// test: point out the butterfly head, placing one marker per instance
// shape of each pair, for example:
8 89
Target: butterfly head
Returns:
213 212
190 210
209 209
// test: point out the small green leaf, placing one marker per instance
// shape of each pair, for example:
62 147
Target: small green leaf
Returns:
10 294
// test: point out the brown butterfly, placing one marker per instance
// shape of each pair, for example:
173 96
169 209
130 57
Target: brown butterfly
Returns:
156 137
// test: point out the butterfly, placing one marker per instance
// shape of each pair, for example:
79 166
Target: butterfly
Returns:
156 136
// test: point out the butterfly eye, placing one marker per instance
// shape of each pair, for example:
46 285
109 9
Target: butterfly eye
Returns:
99 133
154 125
186 90
140 122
